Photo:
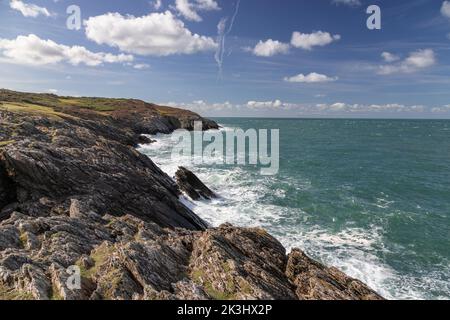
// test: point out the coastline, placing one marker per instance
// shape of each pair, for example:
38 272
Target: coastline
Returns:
71 178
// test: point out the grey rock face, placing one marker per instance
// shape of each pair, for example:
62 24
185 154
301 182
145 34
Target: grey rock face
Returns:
192 185
127 258
314 281
233 263
89 162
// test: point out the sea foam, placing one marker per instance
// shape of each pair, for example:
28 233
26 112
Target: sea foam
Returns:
242 203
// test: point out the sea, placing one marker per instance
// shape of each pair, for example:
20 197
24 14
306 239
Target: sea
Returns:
370 197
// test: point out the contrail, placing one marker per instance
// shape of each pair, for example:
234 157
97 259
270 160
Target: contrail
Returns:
222 33
234 16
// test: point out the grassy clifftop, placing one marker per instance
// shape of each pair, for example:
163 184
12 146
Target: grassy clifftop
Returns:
42 102
136 115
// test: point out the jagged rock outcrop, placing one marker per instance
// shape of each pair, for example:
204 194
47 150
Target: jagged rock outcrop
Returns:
127 258
192 185
61 147
234 263
76 195
314 281
60 160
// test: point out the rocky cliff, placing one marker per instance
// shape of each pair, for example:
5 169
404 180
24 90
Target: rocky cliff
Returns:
75 192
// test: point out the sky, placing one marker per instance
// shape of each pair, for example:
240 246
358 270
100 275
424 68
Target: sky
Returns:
247 58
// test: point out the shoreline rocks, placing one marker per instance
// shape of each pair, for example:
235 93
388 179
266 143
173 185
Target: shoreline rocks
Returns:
145 140
74 192
192 185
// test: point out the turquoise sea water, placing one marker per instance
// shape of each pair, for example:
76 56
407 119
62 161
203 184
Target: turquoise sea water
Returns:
371 197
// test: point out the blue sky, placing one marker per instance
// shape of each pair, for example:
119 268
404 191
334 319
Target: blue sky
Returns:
289 58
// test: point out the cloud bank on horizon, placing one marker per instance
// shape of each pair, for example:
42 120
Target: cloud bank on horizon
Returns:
312 54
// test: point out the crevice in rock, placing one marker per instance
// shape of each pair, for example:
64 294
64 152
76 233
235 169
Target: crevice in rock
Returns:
140 290
8 193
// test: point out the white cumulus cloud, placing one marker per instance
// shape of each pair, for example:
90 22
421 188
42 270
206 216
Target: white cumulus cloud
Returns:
389 57
32 50
202 106
416 61
186 9
189 10
29 9
310 78
141 66
279 108
156 34
445 9
157 4
270 48
207 5
368 108
316 39
276 104
443 109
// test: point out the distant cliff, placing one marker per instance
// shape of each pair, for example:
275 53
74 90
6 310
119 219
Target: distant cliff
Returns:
75 191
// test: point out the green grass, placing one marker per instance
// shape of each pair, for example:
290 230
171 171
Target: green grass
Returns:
56 295
229 294
32 109
95 104
100 255
217 294
111 278
23 239
13 294
226 267
53 105
6 143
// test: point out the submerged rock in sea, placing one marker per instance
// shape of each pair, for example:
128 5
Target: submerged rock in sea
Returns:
75 194
145 140
192 185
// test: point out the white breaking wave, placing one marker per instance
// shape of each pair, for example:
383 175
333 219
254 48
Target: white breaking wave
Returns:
242 193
